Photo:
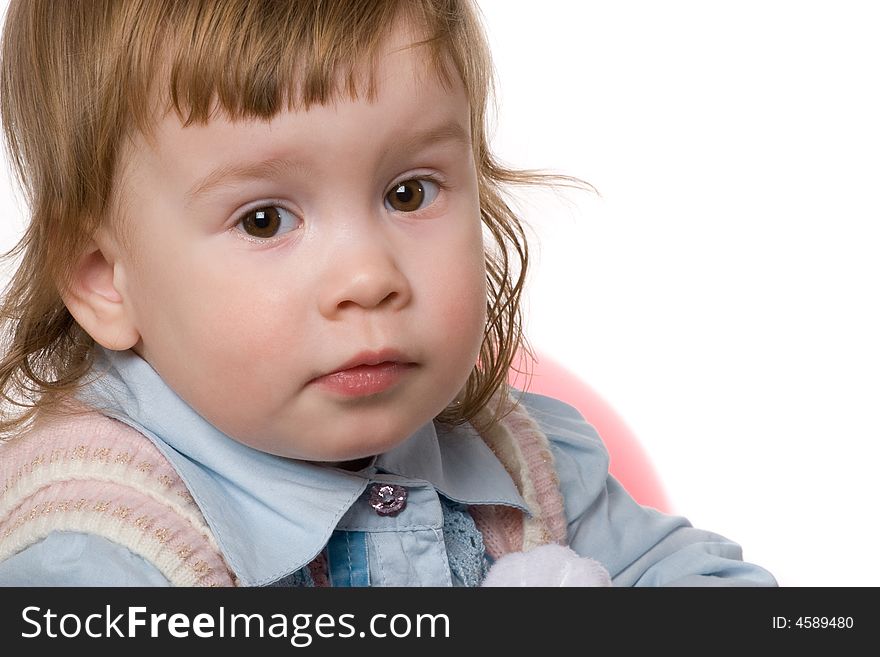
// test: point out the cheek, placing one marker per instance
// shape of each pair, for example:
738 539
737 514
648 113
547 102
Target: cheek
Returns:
228 339
463 283
454 284
213 313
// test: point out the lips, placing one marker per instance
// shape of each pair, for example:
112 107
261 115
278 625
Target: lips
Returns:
369 358
367 373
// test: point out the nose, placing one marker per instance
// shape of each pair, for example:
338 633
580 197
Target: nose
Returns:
365 275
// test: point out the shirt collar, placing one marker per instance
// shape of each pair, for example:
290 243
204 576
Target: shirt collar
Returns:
272 515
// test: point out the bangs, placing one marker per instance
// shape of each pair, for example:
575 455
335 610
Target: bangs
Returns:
254 58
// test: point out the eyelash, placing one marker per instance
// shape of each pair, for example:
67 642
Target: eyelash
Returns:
432 178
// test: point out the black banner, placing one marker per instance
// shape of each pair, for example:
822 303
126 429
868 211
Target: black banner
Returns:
328 621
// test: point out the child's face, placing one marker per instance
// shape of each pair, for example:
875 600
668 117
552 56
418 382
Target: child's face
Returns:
248 293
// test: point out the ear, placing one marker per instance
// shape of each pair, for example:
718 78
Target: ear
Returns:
95 299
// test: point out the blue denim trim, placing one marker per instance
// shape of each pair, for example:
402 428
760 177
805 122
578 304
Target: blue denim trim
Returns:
298 578
348 561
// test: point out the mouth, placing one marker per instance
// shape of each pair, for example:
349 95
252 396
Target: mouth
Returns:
367 373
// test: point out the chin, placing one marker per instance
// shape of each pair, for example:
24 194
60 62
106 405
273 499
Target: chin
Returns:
368 440
345 445
366 449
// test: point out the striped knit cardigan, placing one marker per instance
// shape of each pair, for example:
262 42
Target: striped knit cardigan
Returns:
94 474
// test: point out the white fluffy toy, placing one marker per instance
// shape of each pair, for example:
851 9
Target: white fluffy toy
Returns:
547 565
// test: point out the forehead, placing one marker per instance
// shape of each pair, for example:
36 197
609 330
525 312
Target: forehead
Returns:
401 93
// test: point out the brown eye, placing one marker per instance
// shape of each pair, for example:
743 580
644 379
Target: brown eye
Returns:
411 195
266 222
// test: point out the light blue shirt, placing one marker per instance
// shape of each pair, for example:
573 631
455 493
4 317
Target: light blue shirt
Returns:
272 515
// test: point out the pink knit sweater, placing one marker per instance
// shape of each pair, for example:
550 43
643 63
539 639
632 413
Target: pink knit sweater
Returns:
90 473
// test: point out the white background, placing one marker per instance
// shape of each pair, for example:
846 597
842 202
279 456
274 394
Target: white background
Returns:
721 293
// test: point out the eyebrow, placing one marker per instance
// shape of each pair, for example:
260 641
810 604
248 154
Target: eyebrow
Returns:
449 132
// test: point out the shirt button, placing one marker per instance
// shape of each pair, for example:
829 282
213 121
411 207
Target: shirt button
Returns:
387 499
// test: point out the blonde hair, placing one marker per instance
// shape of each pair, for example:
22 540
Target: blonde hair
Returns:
79 76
